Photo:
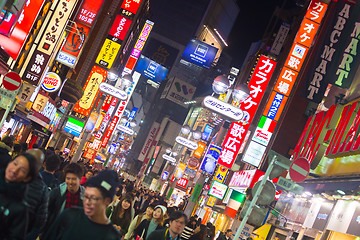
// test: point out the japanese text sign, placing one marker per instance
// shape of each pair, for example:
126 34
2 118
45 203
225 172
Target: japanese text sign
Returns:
56 26
231 144
120 27
296 57
95 144
316 11
88 11
275 106
26 92
220 174
75 40
36 67
306 32
131 5
108 53
199 151
142 39
91 89
286 81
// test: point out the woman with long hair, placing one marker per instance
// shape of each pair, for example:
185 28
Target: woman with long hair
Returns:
148 226
200 233
13 211
120 214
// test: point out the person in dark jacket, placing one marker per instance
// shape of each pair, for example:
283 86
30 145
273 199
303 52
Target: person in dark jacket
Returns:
146 227
52 163
225 236
200 233
68 194
13 210
89 223
177 224
6 145
37 198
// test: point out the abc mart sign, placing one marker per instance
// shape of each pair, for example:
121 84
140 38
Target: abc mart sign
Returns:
223 108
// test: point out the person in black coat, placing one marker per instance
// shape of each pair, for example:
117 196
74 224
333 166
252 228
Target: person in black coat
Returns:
6 145
177 223
225 236
13 211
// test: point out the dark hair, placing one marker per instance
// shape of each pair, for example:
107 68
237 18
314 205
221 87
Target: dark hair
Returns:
35 145
24 147
74 168
52 162
8 141
176 215
229 230
17 148
33 165
126 213
203 232
51 149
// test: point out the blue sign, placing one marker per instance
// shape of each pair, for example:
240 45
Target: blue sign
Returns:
199 53
74 126
210 159
112 148
207 132
275 105
150 69
165 175
66 59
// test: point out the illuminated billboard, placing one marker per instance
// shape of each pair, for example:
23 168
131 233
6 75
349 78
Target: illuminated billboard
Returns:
74 126
199 53
150 69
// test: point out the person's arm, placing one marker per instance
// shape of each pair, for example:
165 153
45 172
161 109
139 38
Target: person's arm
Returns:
131 228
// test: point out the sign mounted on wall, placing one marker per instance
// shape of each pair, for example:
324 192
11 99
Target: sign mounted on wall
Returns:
51 83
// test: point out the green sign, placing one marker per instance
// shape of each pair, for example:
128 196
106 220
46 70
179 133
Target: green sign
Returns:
289 185
196 193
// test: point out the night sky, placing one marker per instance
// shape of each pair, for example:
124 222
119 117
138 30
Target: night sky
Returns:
249 27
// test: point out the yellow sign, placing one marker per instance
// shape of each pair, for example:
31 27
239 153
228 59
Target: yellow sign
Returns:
220 174
40 103
211 201
108 53
180 170
199 151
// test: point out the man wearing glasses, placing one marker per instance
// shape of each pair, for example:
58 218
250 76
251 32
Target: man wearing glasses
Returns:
90 222
177 224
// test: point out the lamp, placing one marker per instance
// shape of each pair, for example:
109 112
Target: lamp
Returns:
185 130
221 84
197 135
241 92
112 76
126 80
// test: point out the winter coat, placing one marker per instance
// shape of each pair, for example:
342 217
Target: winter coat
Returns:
162 234
73 224
37 198
57 200
13 211
143 227
5 157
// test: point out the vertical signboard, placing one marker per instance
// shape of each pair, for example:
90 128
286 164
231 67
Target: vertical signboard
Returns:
91 89
148 142
236 134
285 82
210 159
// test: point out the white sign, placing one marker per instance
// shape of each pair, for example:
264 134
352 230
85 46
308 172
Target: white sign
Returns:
280 38
187 143
66 59
218 190
125 129
179 92
113 91
223 108
7 93
168 158
254 153
262 136
149 140
242 178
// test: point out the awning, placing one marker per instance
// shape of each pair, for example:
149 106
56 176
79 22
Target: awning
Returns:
319 185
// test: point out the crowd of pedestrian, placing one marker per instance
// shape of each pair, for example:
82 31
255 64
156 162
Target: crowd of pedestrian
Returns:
43 195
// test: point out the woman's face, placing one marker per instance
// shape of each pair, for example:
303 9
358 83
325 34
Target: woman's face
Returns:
157 213
18 170
125 205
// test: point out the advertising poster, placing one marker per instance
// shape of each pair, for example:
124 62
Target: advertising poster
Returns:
199 53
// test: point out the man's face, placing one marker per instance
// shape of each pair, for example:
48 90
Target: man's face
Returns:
72 182
88 175
177 226
94 204
228 234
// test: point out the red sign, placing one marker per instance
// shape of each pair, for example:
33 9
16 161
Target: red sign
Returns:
316 11
75 40
131 5
306 33
182 182
109 131
286 81
299 169
13 44
12 81
89 11
7 23
237 131
120 27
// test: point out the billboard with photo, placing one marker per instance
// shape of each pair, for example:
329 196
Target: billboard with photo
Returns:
199 53
150 69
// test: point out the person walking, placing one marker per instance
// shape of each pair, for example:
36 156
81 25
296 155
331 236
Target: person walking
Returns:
52 163
13 180
200 233
147 215
6 145
146 227
68 194
89 222
225 236
189 228
177 224
120 214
